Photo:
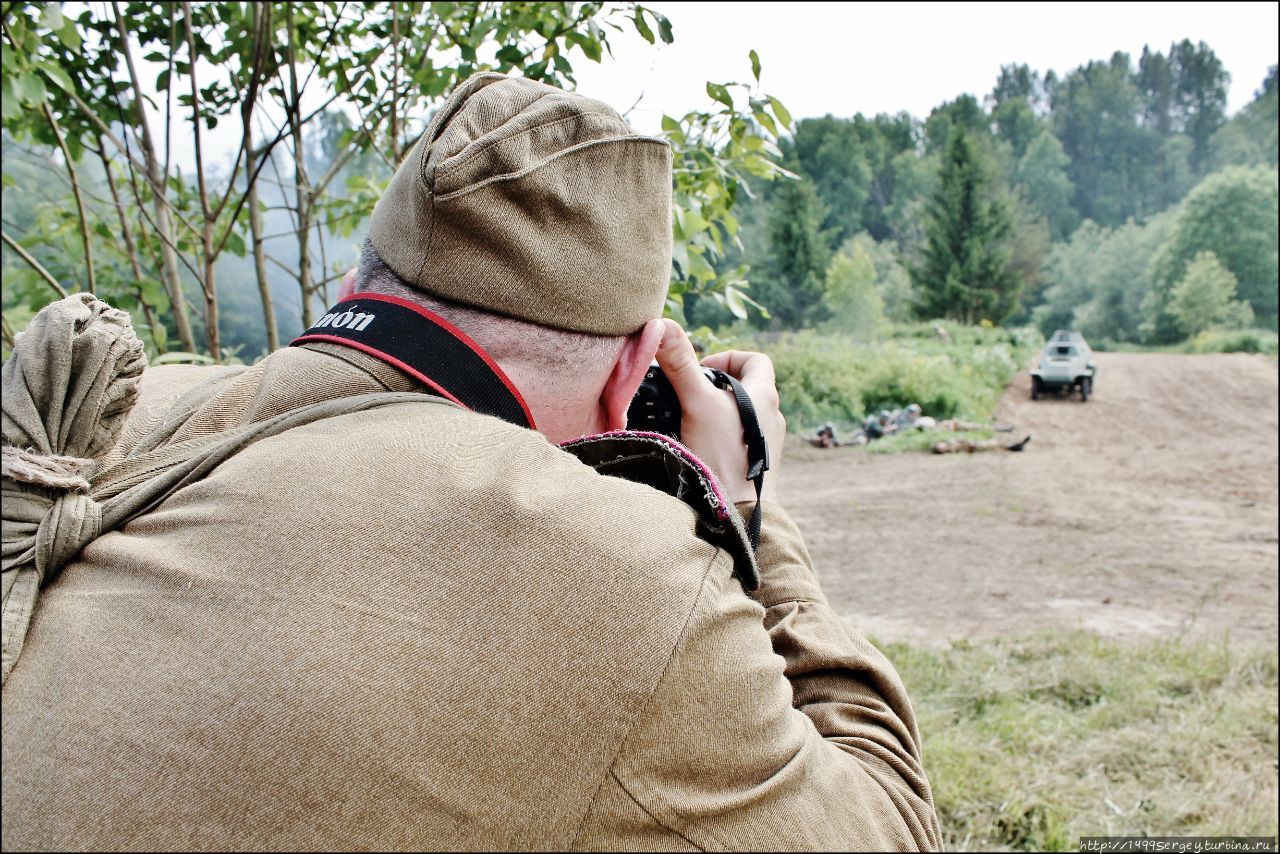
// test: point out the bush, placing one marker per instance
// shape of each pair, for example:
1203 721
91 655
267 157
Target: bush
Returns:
1235 341
832 377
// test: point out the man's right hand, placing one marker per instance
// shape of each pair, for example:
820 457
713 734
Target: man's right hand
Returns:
710 425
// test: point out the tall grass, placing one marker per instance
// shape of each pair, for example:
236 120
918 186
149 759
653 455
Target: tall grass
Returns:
1034 742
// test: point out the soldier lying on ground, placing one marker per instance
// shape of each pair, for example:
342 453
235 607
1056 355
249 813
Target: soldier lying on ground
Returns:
825 437
969 446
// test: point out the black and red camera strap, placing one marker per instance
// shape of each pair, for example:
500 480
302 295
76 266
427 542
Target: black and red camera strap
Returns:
427 347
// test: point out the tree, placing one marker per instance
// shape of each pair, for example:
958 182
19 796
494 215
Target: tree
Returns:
1199 96
1250 137
799 253
1155 81
1018 125
963 114
1042 176
851 298
892 281
965 270
1205 297
155 239
1096 281
1232 214
829 153
1096 112
1018 82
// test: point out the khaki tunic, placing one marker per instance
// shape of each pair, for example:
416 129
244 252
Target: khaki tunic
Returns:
420 627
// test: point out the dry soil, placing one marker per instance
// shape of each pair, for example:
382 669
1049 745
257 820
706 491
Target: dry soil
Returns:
1150 510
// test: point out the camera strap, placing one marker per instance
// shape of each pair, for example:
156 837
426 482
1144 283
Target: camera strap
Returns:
753 438
427 347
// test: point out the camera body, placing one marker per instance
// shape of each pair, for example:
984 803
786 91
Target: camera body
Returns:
656 408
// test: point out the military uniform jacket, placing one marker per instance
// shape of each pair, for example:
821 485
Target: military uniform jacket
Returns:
421 627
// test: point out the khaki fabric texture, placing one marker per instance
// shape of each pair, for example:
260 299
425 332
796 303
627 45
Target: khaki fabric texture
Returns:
529 201
417 627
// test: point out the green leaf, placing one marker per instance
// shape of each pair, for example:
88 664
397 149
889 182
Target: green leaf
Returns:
29 88
51 18
664 29
693 223
680 255
765 120
70 36
57 75
698 266
669 125
755 65
438 85
719 93
733 302
780 111
235 245
591 47
151 290
642 26
510 54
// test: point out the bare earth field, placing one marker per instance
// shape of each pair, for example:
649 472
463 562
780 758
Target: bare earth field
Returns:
1150 511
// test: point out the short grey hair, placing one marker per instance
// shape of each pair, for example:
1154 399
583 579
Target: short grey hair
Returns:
502 337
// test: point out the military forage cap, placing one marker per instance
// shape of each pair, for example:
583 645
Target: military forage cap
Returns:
529 201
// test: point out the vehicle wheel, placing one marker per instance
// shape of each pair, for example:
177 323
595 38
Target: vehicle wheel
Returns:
1035 388
1086 388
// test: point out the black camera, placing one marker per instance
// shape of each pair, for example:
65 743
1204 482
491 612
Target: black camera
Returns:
656 408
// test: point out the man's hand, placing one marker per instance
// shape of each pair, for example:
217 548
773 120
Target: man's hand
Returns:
710 426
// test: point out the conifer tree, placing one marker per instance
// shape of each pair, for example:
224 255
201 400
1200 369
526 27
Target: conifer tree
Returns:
965 272
799 253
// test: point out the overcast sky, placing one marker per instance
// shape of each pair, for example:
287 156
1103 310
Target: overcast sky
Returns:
846 58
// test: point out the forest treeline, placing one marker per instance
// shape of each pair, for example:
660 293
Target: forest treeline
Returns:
1119 199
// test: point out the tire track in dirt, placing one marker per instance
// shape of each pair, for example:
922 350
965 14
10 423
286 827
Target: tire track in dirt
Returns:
1151 510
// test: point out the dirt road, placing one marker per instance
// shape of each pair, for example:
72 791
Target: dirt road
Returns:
1149 511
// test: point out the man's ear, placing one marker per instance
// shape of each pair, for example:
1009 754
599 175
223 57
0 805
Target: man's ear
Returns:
628 372
348 286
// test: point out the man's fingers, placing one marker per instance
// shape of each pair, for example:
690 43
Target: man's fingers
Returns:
742 364
679 362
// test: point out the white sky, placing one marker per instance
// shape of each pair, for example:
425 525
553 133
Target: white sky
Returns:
846 58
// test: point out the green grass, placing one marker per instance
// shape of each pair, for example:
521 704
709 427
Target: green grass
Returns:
1033 742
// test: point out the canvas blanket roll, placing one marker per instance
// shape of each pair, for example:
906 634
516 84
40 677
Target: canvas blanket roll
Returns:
68 387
